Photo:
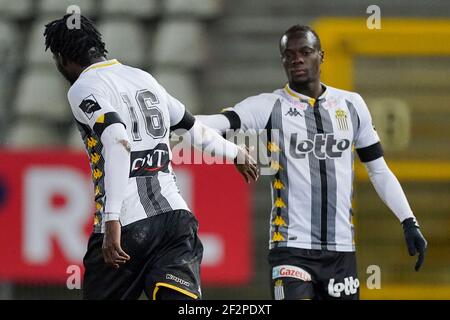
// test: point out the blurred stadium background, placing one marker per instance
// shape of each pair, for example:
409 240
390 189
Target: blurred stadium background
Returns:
211 54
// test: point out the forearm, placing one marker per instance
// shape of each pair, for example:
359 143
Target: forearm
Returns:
389 188
216 121
210 142
117 164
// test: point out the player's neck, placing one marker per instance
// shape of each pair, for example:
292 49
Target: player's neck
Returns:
310 89
72 70
95 60
81 69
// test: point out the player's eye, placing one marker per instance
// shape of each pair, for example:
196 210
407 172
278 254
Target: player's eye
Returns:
288 55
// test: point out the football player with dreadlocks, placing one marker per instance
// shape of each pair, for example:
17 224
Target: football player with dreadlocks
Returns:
145 236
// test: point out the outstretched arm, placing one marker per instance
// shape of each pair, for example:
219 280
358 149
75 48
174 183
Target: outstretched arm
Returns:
218 122
391 192
209 141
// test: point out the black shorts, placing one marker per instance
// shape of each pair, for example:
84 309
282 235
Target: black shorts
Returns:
313 274
164 251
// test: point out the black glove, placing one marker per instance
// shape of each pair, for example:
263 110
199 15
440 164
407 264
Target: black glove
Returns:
414 240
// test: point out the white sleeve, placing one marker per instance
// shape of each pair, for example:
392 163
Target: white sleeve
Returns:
367 142
218 122
388 188
90 106
116 153
200 136
209 141
177 110
179 116
366 134
253 112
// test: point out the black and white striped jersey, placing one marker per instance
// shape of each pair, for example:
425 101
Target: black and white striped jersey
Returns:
109 92
312 189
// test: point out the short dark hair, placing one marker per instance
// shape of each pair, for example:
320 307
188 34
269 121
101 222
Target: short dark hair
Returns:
302 30
77 45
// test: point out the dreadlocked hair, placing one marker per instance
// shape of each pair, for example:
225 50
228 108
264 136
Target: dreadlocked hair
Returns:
78 45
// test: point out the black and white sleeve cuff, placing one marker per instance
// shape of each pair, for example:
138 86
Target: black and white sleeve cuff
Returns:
105 120
370 153
233 117
186 122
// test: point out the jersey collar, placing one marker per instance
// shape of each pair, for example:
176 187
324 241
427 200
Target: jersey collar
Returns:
101 64
294 94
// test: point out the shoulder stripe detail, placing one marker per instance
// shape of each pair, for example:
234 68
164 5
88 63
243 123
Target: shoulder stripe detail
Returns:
356 122
187 122
106 120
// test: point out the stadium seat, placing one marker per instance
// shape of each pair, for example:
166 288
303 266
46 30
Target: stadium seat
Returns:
17 9
26 133
41 94
9 46
59 7
124 41
5 95
36 54
9 41
198 8
180 43
3 114
135 8
181 85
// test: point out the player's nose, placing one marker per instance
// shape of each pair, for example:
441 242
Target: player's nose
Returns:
297 59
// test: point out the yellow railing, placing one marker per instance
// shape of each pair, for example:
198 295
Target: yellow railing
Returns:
412 170
344 38
403 292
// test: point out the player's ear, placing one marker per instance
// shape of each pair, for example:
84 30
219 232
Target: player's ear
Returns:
322 55
93 53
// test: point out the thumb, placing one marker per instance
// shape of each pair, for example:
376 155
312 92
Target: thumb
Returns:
122 253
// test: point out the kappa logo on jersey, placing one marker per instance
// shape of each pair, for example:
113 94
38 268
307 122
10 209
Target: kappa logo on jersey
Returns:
293 113
176 279
149 162
291 272
348 287
324 146
89 105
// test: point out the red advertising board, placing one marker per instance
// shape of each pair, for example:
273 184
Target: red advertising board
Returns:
46 207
